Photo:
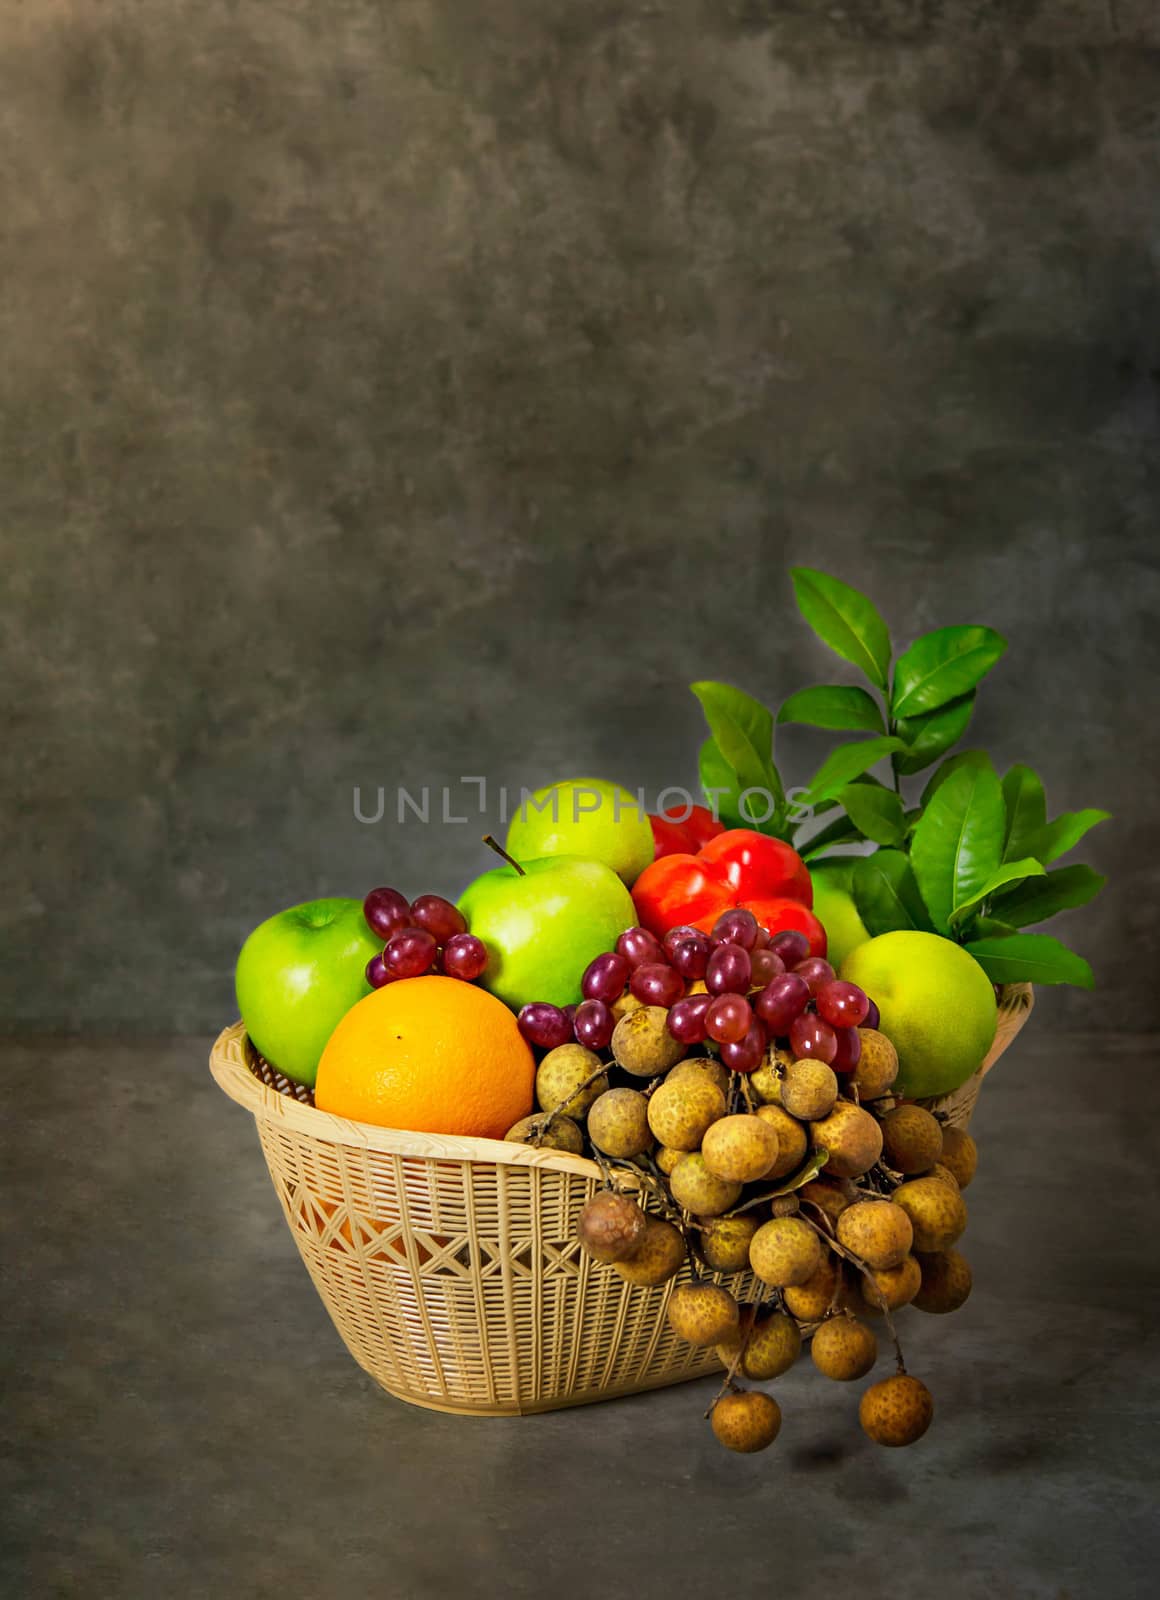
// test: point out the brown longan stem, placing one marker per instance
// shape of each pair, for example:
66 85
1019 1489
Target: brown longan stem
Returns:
729 1381
559 1111
848 1255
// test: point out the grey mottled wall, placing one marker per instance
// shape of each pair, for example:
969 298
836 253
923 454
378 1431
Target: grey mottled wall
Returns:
400 391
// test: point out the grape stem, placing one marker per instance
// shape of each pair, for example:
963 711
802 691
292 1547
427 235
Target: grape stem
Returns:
493 844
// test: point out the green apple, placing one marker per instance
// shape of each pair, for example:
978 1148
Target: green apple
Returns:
298 974
835 909
937 1007
543 926
585 817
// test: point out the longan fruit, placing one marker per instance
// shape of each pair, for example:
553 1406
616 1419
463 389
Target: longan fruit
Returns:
785 1251
877 1065
912 1140
937 1214
877 1231
746 1421
741 1148
946 1282
709 1066
960 1155
559 1076
833 1195
725 1241
625 1006
810 1301
944 1175
809 1089
844 1349
774 1345
890 1288
791 1140
731 1343
611 1227
561 1133
659 1256
667 1159
896 1411
700 1191
682 1110
766 1080
851 1136
642 1043
702 1313
618 1123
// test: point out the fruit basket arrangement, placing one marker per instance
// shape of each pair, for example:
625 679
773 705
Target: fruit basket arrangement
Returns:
673 1094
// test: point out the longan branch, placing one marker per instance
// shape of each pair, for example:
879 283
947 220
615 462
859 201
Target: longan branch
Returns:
856 1261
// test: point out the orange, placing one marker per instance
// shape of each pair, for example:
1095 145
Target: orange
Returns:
434 1055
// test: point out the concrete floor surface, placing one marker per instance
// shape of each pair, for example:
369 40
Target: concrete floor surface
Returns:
181 1419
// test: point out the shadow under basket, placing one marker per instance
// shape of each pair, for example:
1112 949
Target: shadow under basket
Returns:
450 1266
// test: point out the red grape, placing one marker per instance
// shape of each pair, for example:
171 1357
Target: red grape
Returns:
781 1001
810 1036
593 1024
728 970
675 935
791 946
765 965
544 1025
745 1054
386 911
656 984
464 956
872 1019
691 956
849 1051
687 1018
377 974
729 1018
817 972
762 940
410 953
842 1004
441 919
638 945
736 927
605 977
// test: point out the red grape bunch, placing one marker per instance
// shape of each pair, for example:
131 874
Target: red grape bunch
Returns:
427 935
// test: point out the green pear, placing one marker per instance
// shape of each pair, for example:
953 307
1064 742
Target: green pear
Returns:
585 817
835 909
543 924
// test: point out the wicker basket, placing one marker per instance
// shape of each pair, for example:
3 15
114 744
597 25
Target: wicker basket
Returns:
450 1266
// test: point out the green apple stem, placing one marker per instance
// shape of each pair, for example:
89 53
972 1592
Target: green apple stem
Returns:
493 844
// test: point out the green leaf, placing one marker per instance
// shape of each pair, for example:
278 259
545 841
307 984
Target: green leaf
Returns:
846 762
720 785
834 706
845 620
840 831
743 729
1062 835
878 812
943 665
1061 890
1026 811
959 837
930 736
886 894
952 764
1030 958
985 927
1011 873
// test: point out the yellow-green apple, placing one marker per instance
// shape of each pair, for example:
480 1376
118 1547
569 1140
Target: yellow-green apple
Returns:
835 909
936 1003
586 817
544 924
299 973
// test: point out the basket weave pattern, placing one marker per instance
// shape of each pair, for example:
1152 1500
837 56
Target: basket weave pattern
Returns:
450 1266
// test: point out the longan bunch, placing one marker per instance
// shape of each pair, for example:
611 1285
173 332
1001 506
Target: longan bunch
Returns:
796 1179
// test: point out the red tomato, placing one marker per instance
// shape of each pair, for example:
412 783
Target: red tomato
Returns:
754 864
732 870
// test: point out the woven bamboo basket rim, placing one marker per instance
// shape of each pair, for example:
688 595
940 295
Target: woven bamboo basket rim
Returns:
231 1068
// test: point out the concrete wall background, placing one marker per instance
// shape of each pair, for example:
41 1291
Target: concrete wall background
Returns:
391 393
